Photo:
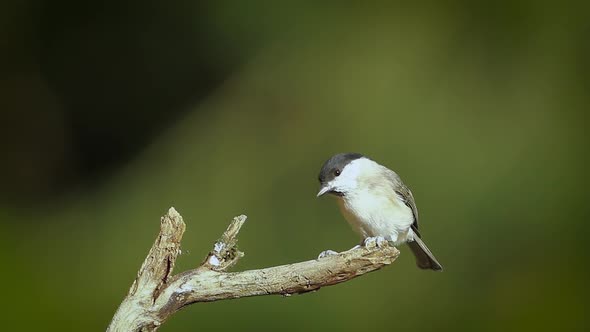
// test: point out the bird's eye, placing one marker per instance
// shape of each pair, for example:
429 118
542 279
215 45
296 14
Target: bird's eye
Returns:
337 172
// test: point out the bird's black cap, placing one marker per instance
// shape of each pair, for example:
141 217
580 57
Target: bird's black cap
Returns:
335 165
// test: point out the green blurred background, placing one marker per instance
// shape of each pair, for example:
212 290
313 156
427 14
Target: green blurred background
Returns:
114 111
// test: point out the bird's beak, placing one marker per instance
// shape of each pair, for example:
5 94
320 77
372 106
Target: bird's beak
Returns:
324 189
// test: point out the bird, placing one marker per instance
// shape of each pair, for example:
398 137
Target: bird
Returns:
376 203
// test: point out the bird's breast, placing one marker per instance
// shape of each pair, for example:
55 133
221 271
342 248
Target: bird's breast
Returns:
376 215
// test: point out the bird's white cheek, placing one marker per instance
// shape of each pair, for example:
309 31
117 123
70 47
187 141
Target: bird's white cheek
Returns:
345 184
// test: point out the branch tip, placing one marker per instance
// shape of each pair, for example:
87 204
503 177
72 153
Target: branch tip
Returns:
225 251
233 229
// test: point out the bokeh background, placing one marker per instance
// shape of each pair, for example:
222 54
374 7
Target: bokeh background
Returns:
113 111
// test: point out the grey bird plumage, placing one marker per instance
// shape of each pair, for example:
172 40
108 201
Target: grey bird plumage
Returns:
375 201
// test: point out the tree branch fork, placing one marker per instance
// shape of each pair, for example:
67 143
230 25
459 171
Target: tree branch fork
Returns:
156 294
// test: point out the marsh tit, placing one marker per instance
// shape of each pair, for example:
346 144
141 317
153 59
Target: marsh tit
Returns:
376 203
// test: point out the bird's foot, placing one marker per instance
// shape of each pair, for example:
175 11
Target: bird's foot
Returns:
375 242
327 253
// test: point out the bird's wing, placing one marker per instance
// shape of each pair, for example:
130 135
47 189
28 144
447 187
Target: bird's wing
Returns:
406 196
408 199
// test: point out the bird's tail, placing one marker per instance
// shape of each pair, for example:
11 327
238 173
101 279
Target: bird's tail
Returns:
424 257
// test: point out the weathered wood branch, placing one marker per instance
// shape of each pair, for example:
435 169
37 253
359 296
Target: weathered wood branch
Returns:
155 294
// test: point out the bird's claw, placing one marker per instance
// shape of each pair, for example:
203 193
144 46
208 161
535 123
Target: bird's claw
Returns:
375 242
327 253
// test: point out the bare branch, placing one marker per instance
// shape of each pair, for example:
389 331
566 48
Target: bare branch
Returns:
155 295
